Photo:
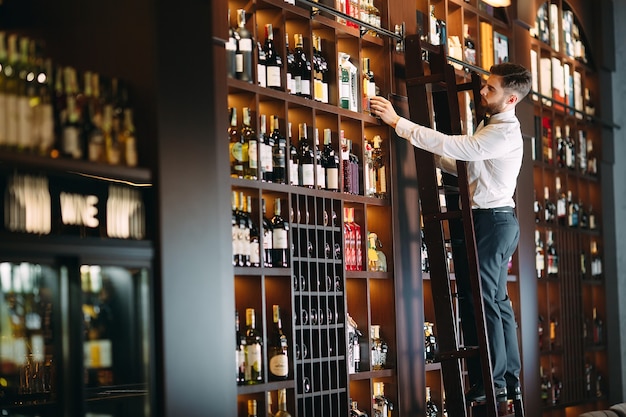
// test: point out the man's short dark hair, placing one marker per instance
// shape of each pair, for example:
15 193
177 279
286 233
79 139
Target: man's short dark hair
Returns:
514 77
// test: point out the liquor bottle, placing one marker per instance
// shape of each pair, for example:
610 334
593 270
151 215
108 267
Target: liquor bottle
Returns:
71 143
382 407
268 401
546 141
554 324
267 238
469 52
243 58
255 250
582 151
279 152
379 349
570 152
331 163
354 410
280 246
588 377
556 386
273 61
561 148
553 258
598 328
431 408
302 69
369 85
240 354
540 264
344 81
252 408
358 242
583 215
238 152
537 208
345 163
369 176
261 66
572 210
253 349
266 151
424 253
596 261
349 241
592 162
235 229
548 207
248 137
321 72
244 232
433 27
380 169
561 204
44 113
354 170
320 174
291 65
430 342
128 140
278 349
282 404
231 50
592 218
294 160
306 168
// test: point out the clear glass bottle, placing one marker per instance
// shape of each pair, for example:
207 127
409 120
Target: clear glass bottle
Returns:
282 404
379 349
278 349
237 155
251 167
254 350
252 408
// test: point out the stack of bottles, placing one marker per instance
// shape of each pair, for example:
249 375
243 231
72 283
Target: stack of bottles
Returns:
54 111
353 245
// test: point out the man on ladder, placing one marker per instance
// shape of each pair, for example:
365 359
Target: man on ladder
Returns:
494 157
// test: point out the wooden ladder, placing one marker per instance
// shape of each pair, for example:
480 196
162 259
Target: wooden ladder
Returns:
457 213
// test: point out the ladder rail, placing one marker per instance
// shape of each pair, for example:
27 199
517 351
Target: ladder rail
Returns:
448 122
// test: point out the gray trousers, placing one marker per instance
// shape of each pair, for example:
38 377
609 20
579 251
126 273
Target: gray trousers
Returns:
497 236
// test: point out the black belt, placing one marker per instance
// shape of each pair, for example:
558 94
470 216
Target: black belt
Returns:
504 209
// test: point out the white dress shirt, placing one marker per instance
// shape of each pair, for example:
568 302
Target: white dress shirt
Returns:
493 154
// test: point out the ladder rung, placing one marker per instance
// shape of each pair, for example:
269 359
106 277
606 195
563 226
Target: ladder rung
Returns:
424 79
450 189
465 86
446 215
462 353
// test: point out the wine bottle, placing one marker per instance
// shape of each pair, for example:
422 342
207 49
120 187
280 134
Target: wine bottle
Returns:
278 349
539 255
553 258
380 169
291 64
282 404
279 156
243 58
273 61
268 400
561 148
331 163
306 169
598 328
71 143
252 408
266 152
231 51
280 244
369 85
561 204
431 408
267 238
302 69
320 174
549 207
240 353
248 137
244 232
261 66
255 250
253 349
235 229
379 349
294 162
238 155
470 46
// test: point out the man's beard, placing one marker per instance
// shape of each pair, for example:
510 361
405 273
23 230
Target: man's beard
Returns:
493 108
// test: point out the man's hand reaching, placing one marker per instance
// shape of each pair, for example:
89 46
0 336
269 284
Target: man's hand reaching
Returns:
383 108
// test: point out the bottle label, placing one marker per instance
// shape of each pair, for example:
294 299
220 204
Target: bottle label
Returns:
267 239
236 245
245 45
266 158
261 75
255 254
236 150
24 122
332 178
11 119
293 173
252 154
253 361
308 175
273 77
279 239
279 365
321 178
71 141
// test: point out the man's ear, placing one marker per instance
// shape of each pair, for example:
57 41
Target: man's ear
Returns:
513 99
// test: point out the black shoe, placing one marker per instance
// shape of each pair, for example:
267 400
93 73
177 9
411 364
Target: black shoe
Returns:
514 393
477 394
